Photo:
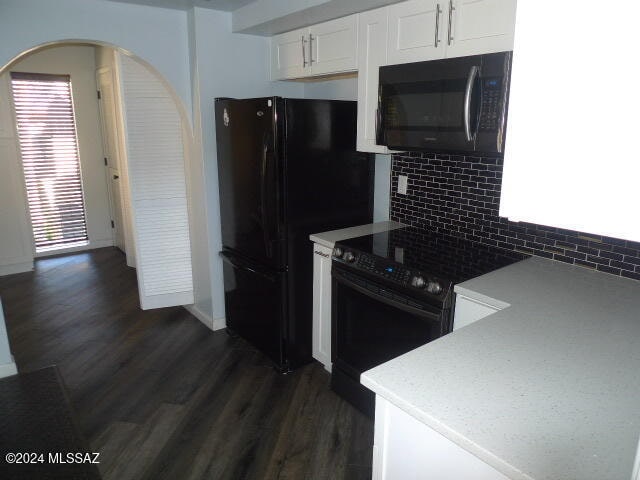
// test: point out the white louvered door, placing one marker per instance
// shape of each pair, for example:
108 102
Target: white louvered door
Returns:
156 167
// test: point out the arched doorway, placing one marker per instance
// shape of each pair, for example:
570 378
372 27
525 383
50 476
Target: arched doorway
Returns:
153 147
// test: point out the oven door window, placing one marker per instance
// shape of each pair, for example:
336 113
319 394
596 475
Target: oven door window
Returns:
368 331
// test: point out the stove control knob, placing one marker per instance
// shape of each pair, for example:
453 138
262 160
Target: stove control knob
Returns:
337 252
434 287
349 257
418 282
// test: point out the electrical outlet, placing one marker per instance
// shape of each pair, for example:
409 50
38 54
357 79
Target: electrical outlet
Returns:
402 184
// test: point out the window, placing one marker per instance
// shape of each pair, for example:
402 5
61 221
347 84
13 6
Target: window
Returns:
49 147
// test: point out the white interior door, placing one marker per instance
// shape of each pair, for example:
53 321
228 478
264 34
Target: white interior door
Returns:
108 122
155 159
115 186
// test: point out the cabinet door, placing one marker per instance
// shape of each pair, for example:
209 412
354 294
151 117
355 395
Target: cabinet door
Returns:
289 55
468 311
416 31
333 46
405 448
479 26
322 305
372 53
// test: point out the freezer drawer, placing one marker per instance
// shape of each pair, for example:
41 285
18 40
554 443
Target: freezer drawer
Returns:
255 305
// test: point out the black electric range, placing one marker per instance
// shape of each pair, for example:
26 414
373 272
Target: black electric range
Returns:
393 292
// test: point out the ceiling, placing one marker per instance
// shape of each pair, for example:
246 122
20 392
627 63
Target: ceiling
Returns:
226 5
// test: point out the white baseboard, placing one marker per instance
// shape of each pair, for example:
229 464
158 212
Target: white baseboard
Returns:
16 268
212 323
8 369
92 245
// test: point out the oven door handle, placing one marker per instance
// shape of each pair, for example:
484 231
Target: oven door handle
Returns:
431 315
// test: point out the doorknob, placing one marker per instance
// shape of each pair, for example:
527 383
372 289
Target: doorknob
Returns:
115 177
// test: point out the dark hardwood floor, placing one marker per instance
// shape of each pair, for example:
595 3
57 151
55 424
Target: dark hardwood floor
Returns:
160 396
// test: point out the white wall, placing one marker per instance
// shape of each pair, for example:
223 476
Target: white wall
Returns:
337 89
381 188
7 366
224 64
347 89
79 62
157 35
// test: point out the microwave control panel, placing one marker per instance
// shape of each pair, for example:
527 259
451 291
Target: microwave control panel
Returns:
491 106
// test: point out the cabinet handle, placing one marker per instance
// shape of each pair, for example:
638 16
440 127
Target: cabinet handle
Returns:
435 43
449 33
304 54
325 255
310 49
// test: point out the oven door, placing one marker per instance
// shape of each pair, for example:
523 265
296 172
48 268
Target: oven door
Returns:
371 324
430 105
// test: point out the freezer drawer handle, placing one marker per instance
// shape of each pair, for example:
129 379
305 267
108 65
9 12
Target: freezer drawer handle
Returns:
228 258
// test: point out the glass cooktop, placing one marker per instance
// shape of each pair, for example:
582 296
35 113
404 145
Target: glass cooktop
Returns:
443 256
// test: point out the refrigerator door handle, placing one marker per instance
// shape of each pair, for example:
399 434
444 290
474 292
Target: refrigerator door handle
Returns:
266 227
236 263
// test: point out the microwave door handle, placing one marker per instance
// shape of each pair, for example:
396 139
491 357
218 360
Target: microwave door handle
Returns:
473 73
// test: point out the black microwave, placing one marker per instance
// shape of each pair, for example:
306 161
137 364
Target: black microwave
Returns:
456 105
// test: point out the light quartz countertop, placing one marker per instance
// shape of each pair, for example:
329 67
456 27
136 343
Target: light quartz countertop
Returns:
547 388
328 239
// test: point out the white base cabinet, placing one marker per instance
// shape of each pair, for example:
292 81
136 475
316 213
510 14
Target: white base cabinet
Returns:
322 305
468 310
405 448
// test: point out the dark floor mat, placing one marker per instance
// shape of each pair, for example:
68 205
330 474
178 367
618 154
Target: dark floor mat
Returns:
38 429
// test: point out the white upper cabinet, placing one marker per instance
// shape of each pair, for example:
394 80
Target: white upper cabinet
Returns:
372 53
479 26
422 30
333 46
416 31
329 47
289 53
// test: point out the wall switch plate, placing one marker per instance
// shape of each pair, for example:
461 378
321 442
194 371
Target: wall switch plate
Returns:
402 184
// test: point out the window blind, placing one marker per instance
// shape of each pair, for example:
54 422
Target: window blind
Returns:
49 148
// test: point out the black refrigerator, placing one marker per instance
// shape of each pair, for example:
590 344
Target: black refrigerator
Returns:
286 168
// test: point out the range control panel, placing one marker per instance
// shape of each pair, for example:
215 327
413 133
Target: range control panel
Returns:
379 268
392 272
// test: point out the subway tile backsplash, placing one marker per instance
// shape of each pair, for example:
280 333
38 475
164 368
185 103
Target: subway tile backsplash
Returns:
460 195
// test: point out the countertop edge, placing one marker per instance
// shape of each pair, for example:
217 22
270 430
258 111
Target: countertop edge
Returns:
328 238
450 434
